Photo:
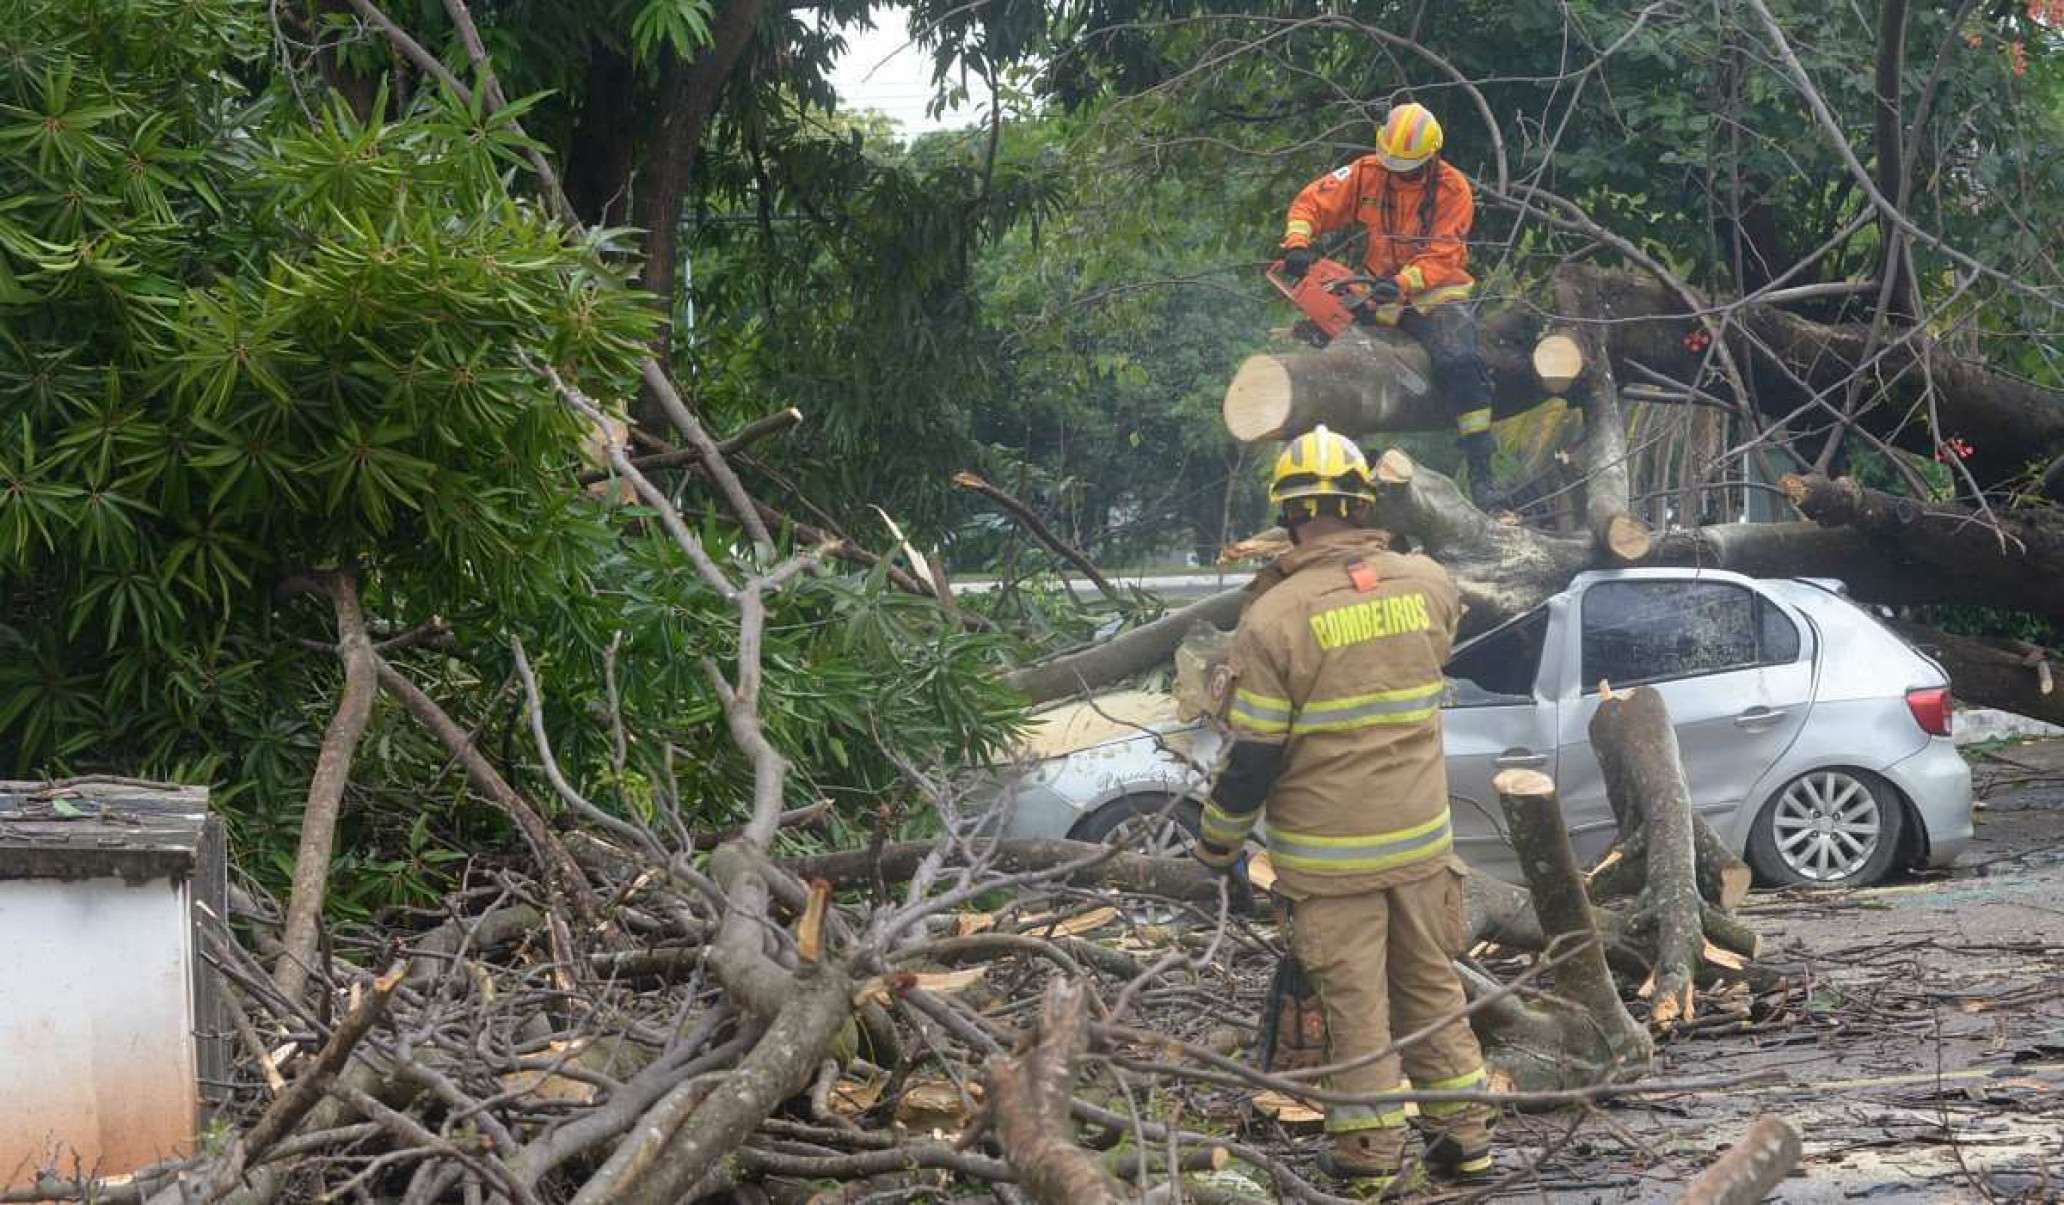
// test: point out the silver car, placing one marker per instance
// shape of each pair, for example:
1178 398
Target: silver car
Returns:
1814 738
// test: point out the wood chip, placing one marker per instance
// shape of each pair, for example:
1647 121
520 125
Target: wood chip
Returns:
1261 872
810 929
1612 855
1726 958
1074 926
936 1104
1286 1109
851 1097
949 982
542 1083
882 988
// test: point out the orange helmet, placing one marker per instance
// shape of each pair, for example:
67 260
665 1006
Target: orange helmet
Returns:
1410 136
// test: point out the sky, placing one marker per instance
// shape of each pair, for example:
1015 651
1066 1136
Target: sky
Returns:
879 71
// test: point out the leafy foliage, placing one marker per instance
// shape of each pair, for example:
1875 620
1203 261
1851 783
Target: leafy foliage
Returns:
239 342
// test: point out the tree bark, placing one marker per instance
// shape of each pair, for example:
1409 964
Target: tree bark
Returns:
2012 558
1368 379
326 787
1751 1168
599 155
2011 675
1644 774
1028 1099
688 97
1588 1038
1134 652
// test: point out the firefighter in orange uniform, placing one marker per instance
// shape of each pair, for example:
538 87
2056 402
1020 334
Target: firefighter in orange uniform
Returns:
1418 211
1335 717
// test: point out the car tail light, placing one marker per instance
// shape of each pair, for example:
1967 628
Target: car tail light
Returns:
1931 708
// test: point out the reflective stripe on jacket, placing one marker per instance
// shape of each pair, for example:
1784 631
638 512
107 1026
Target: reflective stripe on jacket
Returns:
1340 662
1429 260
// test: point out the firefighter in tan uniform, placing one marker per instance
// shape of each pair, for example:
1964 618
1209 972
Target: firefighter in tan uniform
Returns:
1335 715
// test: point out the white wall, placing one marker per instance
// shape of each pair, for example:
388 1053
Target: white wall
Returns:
96 1017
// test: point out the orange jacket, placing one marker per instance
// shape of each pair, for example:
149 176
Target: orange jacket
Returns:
1429 260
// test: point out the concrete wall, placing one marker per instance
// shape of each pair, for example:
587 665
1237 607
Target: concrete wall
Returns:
96 1026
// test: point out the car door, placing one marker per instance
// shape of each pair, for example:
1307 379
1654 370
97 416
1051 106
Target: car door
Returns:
1734 666
1494 717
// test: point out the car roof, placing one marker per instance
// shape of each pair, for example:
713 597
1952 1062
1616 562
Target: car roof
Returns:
1664 573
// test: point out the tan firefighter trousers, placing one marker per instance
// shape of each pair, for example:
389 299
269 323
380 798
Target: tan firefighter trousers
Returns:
1381 962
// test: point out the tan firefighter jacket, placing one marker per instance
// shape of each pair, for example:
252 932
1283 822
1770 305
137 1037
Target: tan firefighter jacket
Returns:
1339 661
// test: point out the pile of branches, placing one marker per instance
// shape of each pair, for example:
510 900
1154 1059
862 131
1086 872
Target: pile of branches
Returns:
736 1023
646 1012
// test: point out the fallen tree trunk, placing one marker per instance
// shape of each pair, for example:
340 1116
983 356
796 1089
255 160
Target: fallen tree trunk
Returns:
1367 379
1503 570
2011 558
1362 385
1644 777
2011 675
1135 652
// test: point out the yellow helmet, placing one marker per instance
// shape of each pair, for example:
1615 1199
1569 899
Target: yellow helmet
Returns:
1409 137
1321 464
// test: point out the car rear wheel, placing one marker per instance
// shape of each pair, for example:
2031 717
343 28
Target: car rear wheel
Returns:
1831 827
1150 823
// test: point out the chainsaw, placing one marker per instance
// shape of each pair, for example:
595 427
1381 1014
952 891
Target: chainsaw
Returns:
1332 297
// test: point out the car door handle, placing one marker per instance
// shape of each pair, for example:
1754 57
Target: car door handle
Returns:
1521 759
1758 717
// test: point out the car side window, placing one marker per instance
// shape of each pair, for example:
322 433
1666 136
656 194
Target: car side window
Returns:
1644 631
1500 666
1776 634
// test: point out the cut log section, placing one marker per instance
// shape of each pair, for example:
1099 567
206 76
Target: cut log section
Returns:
1558 362
1582 1035
1644 776
1362 382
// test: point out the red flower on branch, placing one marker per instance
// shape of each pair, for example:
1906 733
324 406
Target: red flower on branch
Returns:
1955 446
1698 340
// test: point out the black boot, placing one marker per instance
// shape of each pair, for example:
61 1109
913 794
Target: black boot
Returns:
1476 452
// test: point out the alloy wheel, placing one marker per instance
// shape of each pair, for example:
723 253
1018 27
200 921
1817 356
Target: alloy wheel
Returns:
1156 836
1827 825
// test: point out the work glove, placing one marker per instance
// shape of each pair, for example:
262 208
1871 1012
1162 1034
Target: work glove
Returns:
1385 292
1298 260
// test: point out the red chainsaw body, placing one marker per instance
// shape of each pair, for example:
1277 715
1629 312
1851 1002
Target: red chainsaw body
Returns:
1328 294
